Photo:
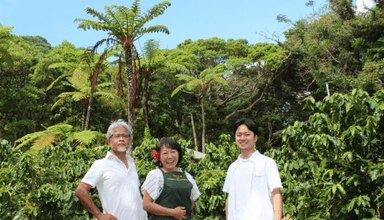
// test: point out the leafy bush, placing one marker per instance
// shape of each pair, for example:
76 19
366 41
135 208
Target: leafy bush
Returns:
41 186
333 166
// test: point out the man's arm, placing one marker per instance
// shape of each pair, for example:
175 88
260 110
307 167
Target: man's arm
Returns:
82 192
277 203
226 208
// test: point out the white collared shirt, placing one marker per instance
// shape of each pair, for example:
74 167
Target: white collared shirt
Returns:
257 179
118 187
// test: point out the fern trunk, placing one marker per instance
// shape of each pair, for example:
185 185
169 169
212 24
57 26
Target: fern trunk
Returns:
194 133
203 131
145 102
129 73
88 113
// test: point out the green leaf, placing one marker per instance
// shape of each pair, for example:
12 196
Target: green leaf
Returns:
374 174
341 188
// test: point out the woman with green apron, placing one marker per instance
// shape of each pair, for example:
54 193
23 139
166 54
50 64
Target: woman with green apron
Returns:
168 192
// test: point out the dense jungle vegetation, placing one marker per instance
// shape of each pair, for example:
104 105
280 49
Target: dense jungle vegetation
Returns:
317 98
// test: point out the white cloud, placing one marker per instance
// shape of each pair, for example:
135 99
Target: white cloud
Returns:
363 5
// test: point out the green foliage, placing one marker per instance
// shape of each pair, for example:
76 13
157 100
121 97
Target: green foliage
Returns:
5 37
56 133
318 159
339 47
207 78
40 43
125 26
41 186
332 166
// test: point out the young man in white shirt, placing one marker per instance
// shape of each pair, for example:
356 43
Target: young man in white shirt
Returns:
253 183
115 178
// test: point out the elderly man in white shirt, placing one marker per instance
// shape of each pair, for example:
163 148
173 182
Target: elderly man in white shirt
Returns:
115 178
253 183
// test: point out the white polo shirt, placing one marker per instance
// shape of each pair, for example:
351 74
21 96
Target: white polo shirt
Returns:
249 184
118 187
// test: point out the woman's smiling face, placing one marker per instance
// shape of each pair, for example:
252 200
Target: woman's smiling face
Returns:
169 158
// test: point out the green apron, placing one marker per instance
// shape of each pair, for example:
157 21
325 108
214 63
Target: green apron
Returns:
176 192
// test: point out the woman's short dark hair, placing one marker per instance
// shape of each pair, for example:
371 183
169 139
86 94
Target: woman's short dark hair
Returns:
247 122
171 143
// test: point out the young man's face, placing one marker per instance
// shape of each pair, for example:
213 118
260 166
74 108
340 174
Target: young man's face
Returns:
119 140
245 138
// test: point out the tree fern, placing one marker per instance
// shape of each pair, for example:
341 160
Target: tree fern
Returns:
56 133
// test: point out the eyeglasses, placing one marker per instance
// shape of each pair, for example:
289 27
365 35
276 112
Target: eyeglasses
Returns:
118 136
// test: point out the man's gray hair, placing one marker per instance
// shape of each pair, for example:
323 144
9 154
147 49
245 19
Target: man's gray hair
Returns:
116 124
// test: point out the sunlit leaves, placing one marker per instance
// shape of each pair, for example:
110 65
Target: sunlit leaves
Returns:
41 186
341 175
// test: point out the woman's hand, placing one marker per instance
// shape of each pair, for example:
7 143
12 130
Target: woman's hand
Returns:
179 213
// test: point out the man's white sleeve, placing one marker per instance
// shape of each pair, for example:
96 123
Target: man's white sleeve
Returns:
227 180
274 180
94 174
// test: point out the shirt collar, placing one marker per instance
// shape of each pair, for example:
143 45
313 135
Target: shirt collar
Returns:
111 156
253 157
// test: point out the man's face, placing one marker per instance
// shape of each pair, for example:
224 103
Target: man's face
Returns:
119 140
245 138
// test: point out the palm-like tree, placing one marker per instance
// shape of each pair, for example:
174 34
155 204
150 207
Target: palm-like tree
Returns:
83 78
154 61
124 26
84 93
201 84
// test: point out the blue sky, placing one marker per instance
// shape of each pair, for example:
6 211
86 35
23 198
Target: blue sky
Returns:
196 19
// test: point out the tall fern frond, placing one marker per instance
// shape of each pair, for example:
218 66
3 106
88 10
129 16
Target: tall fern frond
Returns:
156 10
87 137
118 23
106 95
58 79
194 84
55 133
155 29
135 7
97 14
26 139
65 94
178 89
78 96
205 72
176 66
79 79
58 102
45 140
67 66
59 129
185 77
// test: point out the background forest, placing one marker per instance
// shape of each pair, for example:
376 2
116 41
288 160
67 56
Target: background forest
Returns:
317 98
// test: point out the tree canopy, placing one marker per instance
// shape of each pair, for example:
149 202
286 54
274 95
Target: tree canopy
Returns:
317 98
